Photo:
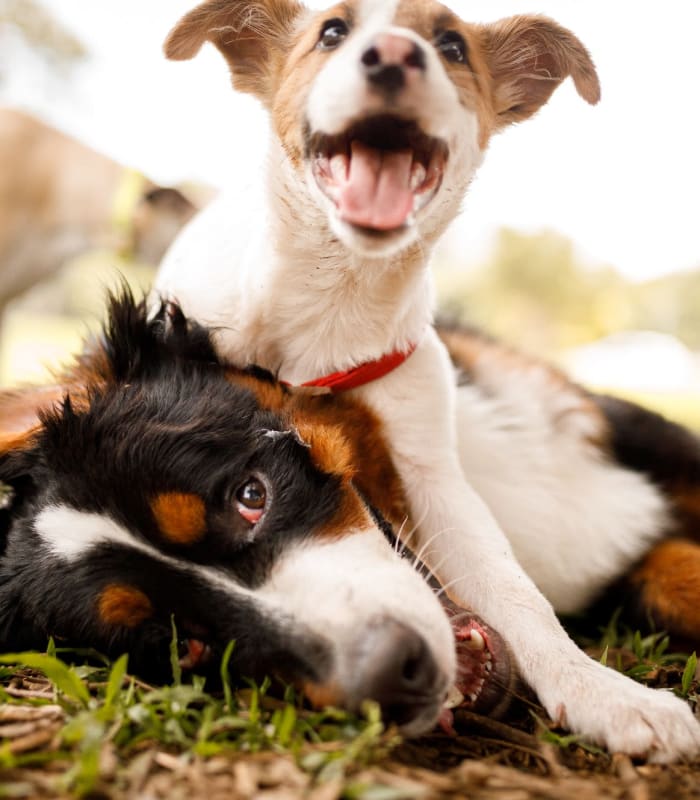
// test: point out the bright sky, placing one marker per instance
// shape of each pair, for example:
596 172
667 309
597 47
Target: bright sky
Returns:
621 179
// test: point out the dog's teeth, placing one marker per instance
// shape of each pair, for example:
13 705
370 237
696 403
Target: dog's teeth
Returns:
473 697
454 698
475 641
488 666
418 175
339 167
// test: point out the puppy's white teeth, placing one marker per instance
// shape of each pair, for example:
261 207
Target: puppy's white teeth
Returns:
473 696
488 666
454 698
418 176
475 641
339 167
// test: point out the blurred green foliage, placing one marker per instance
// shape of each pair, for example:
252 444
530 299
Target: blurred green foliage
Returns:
535 291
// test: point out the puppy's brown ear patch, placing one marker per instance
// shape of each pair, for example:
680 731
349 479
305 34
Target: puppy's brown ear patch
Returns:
181 517
123 605
252 35
528 57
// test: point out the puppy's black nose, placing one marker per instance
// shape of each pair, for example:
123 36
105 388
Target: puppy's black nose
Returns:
397 670
392 61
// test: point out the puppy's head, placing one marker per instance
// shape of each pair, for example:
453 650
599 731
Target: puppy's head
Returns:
384 109
166 485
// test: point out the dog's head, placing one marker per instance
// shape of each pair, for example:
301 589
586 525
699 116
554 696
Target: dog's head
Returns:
164 484
384 109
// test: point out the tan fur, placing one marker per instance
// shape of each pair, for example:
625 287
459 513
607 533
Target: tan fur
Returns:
18 409
181 518
527 58
516 63
122 605
253 38
668 581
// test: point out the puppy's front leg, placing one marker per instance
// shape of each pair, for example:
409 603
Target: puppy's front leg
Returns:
474 561
462 543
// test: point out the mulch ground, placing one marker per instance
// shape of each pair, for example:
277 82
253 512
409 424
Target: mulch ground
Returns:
487 760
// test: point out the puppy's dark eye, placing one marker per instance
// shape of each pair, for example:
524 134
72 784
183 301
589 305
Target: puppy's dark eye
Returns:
251 499
452 47
333 33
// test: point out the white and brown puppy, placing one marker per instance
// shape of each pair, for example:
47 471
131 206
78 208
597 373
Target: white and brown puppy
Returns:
381 113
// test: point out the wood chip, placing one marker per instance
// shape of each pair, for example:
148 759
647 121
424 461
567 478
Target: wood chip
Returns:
17 713
33 741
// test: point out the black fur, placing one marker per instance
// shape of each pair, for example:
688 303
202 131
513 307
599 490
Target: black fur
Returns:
666 452
161 417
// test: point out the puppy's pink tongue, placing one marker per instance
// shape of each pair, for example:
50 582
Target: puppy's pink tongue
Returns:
377 193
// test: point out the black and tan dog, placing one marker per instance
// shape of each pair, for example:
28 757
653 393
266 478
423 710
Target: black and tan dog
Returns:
154 481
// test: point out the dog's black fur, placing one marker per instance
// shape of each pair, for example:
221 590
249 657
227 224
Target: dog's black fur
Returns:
161 416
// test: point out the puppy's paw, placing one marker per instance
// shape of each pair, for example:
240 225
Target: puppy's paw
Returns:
608 709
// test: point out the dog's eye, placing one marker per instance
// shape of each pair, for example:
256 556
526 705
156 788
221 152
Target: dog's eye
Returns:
251 499
334 31
452 46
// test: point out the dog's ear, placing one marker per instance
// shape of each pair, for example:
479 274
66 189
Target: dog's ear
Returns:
253 36
528 57
20 423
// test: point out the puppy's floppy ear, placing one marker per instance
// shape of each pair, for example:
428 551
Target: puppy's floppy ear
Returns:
528 57
252 35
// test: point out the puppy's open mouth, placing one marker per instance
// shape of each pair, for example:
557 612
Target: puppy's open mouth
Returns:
380 172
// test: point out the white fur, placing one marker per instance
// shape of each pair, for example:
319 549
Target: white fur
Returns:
338 587
575 520
311 296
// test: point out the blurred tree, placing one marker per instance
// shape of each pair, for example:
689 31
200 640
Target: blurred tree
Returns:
535 292
672 304
44 34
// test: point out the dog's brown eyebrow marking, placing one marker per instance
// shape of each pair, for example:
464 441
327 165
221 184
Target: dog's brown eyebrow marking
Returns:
120 604
181 517
330 450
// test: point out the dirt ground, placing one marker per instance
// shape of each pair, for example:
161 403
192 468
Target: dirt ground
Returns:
487 760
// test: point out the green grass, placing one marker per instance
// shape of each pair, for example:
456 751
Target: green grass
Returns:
103 709
104 706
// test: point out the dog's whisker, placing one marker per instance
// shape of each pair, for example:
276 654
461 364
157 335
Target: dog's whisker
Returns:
398 541
439 592
421 553
412 532
434 569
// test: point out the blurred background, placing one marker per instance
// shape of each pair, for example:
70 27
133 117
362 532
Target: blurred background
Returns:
579 240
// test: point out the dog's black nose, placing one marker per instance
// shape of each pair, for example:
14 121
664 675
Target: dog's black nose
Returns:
397 670
391 61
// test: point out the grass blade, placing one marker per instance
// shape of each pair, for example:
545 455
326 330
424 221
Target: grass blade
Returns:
62 676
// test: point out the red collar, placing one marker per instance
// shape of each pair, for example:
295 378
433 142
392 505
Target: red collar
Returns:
361 374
